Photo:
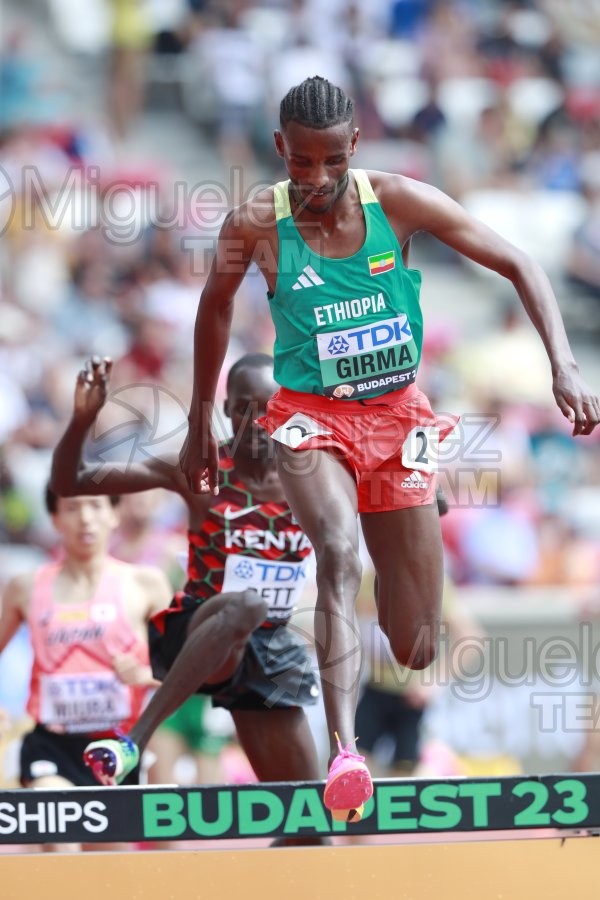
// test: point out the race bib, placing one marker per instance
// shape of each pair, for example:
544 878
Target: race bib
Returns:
420 449
82 702
280 584
368 359
298 429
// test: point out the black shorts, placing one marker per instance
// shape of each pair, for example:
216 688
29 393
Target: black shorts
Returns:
45 753
386 718
274 673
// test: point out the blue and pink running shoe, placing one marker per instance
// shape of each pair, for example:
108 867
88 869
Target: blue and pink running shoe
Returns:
111 759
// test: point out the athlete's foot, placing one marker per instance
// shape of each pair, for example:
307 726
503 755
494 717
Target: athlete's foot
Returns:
111 759
349 785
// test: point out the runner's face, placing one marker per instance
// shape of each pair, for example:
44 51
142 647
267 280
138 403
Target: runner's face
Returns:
317 162
247 400
85 524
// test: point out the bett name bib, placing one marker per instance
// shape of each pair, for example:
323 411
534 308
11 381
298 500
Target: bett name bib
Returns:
280 584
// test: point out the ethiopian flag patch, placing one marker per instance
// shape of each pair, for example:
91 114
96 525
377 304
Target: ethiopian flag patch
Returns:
383 262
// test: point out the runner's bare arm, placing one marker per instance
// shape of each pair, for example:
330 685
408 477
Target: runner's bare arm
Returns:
70 475
157 593
12 607
235 249
155 587
413 206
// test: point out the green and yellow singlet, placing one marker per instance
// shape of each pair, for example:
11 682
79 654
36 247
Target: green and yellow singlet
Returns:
351 327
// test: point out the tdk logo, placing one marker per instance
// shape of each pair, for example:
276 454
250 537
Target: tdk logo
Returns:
244 569
361 340
337 345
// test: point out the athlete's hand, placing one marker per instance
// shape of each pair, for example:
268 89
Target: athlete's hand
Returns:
199 461
576 400
92 388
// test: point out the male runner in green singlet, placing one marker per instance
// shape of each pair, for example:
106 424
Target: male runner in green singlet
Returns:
353 433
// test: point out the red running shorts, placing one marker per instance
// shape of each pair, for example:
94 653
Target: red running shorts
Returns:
390 443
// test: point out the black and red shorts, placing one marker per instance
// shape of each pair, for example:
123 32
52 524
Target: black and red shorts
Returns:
275 671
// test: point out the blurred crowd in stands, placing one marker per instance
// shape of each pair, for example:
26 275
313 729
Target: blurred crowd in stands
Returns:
105 247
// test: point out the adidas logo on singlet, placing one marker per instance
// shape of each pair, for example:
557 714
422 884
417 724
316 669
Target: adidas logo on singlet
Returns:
416 479
309 278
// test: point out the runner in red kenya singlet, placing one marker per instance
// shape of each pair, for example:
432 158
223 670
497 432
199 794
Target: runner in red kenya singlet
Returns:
226 634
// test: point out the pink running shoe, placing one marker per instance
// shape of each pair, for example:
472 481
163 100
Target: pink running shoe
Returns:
349 785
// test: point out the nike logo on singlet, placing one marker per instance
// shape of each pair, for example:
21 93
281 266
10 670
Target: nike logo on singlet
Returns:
229 514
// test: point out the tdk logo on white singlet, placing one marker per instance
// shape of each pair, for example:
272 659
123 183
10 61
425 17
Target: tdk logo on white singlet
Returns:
309 278
415 480
280 584
389 332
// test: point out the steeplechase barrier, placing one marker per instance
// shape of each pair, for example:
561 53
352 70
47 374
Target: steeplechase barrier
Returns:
445 834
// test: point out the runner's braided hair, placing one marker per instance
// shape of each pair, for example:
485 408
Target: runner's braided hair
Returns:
316 103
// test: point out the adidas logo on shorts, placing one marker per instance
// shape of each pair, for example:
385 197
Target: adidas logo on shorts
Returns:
307 279
415 480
